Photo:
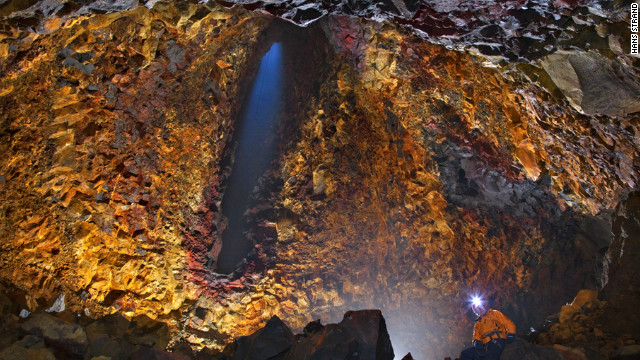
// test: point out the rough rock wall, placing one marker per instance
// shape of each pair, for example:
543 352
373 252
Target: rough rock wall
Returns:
421 177
115 125
411 175
622 283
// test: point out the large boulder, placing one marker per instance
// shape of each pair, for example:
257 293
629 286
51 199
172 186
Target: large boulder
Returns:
17 352
145 331
67 338
274 339
334 342
370 329
360 335
592 83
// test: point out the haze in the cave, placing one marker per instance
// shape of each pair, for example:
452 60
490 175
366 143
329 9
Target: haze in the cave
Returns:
254 152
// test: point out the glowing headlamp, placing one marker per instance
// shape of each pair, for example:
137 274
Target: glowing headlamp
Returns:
476 301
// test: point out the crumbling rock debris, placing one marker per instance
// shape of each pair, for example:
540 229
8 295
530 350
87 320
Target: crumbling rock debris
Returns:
582 330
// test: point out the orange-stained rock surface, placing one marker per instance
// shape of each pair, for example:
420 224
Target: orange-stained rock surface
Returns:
410 176
115 125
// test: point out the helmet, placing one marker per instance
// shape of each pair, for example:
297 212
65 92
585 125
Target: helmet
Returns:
477 305
479 309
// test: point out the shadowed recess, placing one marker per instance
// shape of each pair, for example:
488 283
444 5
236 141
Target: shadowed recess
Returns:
254 152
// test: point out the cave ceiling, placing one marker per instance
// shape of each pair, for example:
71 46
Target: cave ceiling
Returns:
426 151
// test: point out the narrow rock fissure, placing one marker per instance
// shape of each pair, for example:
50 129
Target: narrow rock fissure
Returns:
289 64
255 148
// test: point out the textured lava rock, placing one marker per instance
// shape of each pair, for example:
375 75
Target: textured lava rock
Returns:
73 336
93 126
622 283
579 322
67 338
507 29
581 77
272 341
410 174
360 335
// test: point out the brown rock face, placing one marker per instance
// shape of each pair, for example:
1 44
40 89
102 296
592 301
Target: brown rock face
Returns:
98 202
622 282
408 176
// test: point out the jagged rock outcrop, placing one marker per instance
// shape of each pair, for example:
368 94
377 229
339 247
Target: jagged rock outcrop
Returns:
59 334
591 84
65 335
409 174
513 30
360 335
274 340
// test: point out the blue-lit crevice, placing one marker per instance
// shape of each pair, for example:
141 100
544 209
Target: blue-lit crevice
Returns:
256 134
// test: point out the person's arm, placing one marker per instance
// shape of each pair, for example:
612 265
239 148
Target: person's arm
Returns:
477 336
477 340
509 327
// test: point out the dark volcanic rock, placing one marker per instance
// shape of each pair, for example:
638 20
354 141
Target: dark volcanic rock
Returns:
360 335
513 29
313 327
149 353
68 338
521 349
409 173
15 352
370 330
273 339
622 281
105 337
627 353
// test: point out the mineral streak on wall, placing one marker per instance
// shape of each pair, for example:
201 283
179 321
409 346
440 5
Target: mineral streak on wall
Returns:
407 175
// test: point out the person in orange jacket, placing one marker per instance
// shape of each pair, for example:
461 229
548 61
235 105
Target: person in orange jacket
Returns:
490 334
